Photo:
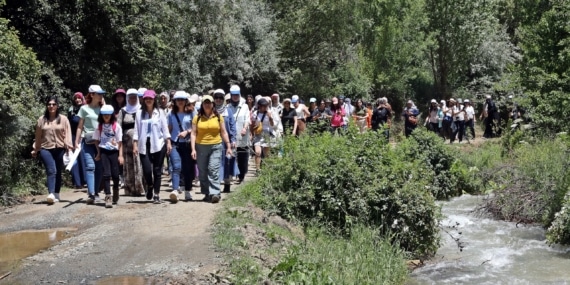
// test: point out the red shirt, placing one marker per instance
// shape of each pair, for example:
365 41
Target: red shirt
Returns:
337 118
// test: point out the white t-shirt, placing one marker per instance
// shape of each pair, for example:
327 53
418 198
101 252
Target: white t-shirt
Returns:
458 116
109 139
433 116
470 112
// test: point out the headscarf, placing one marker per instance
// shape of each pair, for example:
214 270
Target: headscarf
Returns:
131 109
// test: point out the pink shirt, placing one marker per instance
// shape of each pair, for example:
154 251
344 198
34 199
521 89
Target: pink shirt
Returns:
337 118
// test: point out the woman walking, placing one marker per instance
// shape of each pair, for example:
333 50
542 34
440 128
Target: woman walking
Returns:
151 141
208 132
132 168
242 117
109 145
89 114
53 140
77 177
288 118
228 163
263 131
360 116
180 126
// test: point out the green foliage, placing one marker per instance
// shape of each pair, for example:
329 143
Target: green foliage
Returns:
346 185
23 81
437 160
559 230
362 258
531 184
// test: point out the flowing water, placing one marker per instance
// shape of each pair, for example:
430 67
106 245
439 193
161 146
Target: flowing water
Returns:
18 245
494 252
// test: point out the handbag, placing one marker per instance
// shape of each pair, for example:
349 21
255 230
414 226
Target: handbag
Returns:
88 138
258 129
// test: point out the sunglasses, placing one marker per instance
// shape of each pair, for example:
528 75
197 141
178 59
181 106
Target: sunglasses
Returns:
51 104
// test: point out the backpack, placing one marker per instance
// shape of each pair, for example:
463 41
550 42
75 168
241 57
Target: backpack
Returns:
114 127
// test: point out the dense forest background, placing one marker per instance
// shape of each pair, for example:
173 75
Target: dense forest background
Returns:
402 49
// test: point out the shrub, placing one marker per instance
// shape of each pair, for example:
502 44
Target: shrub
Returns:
342 181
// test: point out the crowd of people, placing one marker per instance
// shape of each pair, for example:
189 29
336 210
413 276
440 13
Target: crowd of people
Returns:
210 137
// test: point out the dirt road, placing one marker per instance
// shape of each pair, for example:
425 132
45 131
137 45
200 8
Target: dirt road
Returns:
134 238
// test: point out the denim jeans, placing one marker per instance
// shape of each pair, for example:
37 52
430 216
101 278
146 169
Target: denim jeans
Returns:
93 169
152 167
53 162
209 160
182 163
77 173
228 165
459 131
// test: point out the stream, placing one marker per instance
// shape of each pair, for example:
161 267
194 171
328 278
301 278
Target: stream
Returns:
495 252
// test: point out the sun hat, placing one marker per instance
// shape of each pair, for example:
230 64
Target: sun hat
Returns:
107 110
287 100
295 99
466 101
96 89
149 94
219 91
313 100
180 95
207 98
433 101
194 98
234 89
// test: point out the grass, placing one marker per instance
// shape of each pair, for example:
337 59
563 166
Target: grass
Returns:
258 251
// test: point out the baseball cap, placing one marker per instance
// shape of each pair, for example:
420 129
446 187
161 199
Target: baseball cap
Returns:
141 91
433 101
96 89
466 101
107 110
132 91
313 100
207 98
120 91
180 95
234 89
149 94
295 98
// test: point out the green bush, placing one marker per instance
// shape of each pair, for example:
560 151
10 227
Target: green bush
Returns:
24 81
559 230
429 148
343 181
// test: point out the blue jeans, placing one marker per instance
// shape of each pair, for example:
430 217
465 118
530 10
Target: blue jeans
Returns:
77 173
209 159
93 169
228 165
53 162
182 163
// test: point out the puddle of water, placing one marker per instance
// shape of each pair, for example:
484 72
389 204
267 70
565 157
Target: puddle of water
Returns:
16 246
125 280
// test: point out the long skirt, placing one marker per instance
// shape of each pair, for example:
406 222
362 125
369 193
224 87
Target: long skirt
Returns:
132 168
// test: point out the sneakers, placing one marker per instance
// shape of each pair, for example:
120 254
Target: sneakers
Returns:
149 193
174 196
215 199
188 195
98 199
108 201
51 198
156 200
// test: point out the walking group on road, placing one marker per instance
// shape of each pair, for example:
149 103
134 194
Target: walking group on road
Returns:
210 137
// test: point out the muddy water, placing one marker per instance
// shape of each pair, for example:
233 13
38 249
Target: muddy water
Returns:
494 252
18 245
125 280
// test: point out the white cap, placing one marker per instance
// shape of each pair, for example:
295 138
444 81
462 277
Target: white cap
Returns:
219 91
141 91
313 100
433 101
228 97
132 91
295 99
466 101
180 95
488 96
194 98
234 89
107 110
96 89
